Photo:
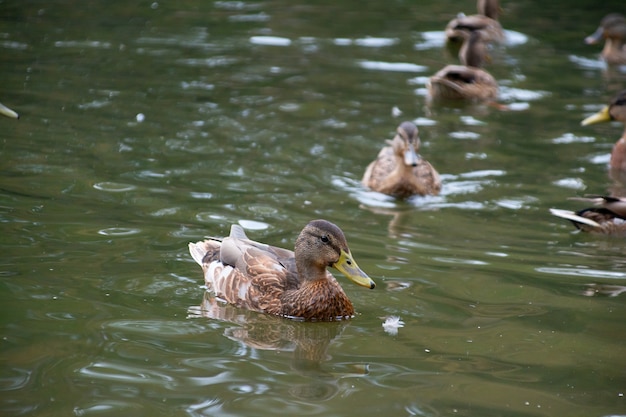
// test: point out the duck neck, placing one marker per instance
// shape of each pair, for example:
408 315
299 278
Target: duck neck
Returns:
321 299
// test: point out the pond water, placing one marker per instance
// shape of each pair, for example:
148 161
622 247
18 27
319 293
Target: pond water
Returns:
151 124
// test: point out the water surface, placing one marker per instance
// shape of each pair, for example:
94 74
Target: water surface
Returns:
146 126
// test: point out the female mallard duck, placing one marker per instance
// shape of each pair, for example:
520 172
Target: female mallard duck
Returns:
278 281
399 171
5 111
613 30
616 110
608 216
467 81
485 21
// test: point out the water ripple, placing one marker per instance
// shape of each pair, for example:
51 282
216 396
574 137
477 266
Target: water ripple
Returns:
581 272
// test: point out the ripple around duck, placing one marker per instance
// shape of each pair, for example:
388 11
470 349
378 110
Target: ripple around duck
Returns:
391 66
156 327
119 231
14 379
114 187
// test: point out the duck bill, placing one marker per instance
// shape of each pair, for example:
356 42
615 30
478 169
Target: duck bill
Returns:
601 116
347 266
595 37
5 111
410 156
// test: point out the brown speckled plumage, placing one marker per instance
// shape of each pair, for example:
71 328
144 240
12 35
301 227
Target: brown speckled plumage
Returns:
278 281
399 171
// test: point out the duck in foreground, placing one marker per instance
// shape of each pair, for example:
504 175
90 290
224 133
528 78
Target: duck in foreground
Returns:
613 30
467 81
277 281
399 170
485 21
616 110
5 111
607 216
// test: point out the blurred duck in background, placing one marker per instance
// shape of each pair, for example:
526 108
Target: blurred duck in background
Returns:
399 170
467 81
485 21
613 30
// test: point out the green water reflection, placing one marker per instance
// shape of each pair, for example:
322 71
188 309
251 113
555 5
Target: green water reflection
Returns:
145 126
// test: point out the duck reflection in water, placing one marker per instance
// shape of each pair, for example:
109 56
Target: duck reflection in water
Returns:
308 343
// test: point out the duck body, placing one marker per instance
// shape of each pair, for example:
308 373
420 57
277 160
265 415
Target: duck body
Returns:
468 81
277 281
608 216
612 30
399 170
615 110
460 82
485 21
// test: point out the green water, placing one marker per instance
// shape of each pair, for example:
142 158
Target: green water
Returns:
266 114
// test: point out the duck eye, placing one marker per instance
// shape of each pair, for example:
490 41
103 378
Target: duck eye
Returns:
325 239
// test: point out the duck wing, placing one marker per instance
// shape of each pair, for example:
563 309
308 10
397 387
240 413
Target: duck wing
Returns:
246 273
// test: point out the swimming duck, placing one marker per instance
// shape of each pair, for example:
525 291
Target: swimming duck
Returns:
399 170
608 216
5 111
467 81
277 281
616 110
613 30
486 21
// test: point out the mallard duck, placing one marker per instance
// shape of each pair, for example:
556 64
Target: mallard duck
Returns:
616 110
399 170
485 21
277 281
613 30
467 81
5 111
608 216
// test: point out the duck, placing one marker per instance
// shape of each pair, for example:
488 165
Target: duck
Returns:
486 21
399 171
467 81
613 30
607 216
268 279
5 111
615 110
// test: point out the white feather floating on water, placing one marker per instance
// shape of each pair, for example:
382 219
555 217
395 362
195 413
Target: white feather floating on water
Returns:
392 324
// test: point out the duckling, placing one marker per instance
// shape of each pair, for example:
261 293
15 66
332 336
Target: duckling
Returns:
486 21
616 110
608 216
277 281
613 30
399 170
5 111
467 81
